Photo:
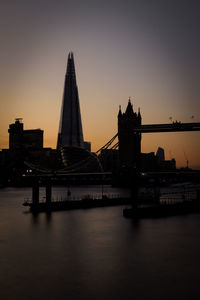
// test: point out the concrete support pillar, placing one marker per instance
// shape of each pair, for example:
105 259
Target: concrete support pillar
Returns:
35 191
198 194
135 186
48 191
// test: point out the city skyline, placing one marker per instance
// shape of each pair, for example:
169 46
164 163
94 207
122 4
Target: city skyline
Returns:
147 52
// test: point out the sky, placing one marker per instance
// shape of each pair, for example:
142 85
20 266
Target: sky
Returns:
144 49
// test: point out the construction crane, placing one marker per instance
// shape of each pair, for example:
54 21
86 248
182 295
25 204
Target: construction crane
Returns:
187 162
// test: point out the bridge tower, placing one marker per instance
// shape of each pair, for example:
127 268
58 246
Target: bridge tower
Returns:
129 141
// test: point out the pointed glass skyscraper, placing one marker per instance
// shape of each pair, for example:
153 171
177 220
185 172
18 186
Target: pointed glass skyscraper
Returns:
75 153
70 129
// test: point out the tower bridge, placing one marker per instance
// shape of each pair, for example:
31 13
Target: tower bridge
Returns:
130 130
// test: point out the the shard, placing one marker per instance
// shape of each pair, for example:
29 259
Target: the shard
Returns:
70 129
75 152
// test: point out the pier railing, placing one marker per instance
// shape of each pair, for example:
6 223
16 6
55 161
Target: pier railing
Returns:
165 198
79 198
177 196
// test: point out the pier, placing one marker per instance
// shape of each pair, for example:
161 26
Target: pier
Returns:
48 203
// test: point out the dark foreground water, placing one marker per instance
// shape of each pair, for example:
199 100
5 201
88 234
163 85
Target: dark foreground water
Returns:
95 254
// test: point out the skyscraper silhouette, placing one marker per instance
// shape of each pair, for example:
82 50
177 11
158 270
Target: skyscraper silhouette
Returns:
75 153
70 129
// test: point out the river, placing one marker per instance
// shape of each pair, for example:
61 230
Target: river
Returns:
95 253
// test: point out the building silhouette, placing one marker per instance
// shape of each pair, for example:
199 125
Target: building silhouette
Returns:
70 132
160 154
75 153
20 139
162 163
26 154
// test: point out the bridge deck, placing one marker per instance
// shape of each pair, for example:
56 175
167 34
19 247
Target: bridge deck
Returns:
172 127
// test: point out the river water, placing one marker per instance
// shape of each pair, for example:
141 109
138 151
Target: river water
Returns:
95 253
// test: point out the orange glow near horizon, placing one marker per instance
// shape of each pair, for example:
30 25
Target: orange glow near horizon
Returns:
181 146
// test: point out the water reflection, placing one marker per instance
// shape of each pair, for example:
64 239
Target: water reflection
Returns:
37 218
96 254
48 216
135 223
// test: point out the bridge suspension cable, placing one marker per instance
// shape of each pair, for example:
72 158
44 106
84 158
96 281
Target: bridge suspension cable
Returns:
108 143
115 146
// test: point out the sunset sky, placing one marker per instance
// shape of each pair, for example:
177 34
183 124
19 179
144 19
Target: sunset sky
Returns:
144 49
